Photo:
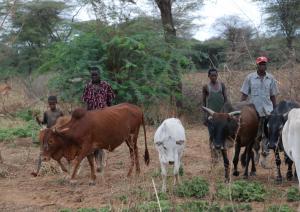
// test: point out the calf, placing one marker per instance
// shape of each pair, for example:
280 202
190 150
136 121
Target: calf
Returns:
275 124
291 138
98 129
169 141
225 127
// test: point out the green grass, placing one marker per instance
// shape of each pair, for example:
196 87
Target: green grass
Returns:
293 194
197 187
280 208
243 191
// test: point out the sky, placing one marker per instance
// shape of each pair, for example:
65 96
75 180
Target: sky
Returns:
212 10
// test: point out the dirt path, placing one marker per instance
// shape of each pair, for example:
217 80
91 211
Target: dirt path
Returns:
19 191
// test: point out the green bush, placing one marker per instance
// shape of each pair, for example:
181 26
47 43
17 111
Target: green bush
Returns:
29 129
88 210
242 191
293 194
25 114
234 208
152 206
199 206
280 208
197 187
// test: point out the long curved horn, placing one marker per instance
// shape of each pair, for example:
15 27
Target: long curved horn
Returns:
234 113
60 131
210 111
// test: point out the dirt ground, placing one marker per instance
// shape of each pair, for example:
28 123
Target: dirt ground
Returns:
19 191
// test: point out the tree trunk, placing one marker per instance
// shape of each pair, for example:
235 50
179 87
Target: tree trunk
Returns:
165 7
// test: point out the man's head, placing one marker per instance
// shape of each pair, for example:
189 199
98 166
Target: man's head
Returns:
52 101
95 74
213 75
261 63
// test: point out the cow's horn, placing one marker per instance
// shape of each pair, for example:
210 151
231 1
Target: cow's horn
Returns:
234 113
210 111
65 129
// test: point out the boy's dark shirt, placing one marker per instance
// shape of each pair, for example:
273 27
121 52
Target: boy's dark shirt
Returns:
50 117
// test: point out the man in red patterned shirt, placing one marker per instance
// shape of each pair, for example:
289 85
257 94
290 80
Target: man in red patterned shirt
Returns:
97 94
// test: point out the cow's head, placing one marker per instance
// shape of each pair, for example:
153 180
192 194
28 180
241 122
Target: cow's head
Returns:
221 127
51 142
274 126
169 149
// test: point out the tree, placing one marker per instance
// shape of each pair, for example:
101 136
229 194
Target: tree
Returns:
283 17
234 30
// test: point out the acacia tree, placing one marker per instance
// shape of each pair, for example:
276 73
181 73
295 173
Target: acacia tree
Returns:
283 17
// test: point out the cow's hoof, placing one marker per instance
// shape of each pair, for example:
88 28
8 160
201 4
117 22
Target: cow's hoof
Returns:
245 177
34 174
289 176
253 173
73 182
279 179
92 183
236 173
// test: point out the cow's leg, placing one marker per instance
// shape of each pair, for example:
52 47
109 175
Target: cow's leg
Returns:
248 153
99 159
39 164
278 163
62 166
253 168
226 166
131 151
83 153
236 159
164 176
289 162
176 170
92 165
136 152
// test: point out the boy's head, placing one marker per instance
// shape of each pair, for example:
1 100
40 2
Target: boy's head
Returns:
52 101
213 75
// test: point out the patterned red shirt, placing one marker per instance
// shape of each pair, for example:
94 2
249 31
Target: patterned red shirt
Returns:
97 96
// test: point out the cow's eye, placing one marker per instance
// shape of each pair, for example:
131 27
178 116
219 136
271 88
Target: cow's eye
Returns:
50 142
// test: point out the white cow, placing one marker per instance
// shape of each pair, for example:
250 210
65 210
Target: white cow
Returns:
291 138
169 141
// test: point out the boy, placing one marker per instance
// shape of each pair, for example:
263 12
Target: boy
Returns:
214 93
50 116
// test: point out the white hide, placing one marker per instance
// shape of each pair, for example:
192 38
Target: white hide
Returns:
169 141
291 138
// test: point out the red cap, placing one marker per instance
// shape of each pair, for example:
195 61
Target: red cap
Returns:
261 59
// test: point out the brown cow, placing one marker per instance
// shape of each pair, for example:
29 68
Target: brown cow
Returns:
224 126
98 129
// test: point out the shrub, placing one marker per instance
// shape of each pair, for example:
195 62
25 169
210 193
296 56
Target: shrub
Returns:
199 206
293 194
280 208
196 187
234 208
242 191
87 210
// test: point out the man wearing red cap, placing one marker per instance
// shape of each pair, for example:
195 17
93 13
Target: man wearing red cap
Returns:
261 88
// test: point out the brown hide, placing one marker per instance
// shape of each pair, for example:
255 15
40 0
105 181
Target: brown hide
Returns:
248 125
98 129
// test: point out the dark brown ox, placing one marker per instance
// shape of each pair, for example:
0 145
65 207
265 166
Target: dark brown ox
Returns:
225 127
98 129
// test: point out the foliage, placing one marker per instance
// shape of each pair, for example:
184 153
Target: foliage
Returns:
242 190
280 208
237 207
293 194
200 206
197 187
29 129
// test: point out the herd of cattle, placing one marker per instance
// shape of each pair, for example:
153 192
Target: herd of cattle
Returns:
80 135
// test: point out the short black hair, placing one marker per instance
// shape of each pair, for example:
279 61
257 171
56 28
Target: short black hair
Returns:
52 99
94 69
212 70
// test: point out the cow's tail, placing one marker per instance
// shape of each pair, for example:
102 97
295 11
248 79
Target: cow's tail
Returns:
146 156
